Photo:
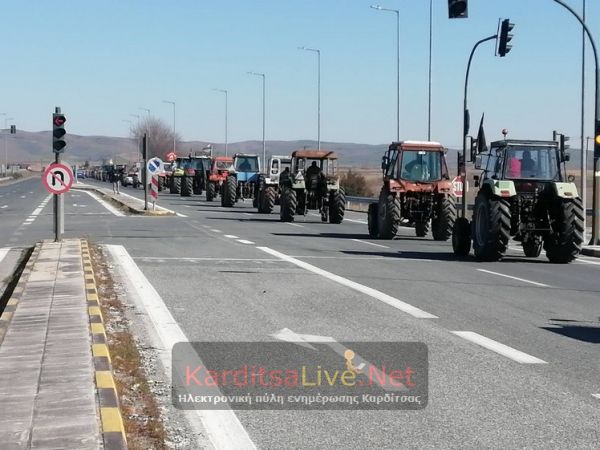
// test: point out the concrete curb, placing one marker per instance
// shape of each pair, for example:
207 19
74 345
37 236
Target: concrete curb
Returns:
123 204
113 431
591 251
15 297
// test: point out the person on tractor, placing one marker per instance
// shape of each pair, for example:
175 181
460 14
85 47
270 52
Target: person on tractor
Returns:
315 178
514 167
245 166
528 164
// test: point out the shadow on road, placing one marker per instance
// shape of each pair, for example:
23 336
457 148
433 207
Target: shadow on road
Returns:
575 330
437 256
323 235
240 219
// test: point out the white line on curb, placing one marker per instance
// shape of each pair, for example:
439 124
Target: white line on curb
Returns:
373 293
501 349
157 206
223 427
535 283
3 253
110 208
370 243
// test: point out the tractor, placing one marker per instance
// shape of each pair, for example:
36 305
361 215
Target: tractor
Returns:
524 193
312 183
417 190
189 175
220 168
268 186
241 183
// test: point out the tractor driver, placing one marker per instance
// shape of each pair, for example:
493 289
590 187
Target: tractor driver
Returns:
315 177
527 162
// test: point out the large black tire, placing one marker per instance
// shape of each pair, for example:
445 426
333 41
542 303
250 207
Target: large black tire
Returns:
197 185
491 227
289 203
421 228
388 215
372 221
443 224
211 192
564 244
161 184
187 186
175 185
461 237
267 200
337 206
229 194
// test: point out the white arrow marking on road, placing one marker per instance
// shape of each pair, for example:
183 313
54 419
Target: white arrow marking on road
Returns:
373 293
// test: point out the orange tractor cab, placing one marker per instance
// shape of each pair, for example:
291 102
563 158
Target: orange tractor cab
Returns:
219 169
416 190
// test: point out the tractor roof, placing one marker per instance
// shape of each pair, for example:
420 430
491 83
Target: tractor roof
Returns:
315 154
418 145
524 142
223 158
282 157
252 155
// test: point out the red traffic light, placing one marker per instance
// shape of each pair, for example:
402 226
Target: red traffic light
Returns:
59 120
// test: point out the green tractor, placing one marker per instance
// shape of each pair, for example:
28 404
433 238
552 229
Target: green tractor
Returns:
189 175
524 193
312 184
268 186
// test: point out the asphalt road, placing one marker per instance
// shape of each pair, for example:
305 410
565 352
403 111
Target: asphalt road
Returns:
230 274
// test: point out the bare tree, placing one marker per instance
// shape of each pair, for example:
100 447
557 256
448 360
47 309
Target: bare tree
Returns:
160 136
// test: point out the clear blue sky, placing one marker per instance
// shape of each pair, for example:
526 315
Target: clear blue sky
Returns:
101 61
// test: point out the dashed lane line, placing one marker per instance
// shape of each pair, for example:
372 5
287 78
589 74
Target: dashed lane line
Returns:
497 347
244 241
535 283
294 224
373 293
231 236
369 243
215 230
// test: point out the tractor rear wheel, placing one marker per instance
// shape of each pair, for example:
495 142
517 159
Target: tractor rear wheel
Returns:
372 221
267 200
491 227
443 224
564 244
337 206
211 192
187 186
161 183
388 218
289 203
461 237
229 195
421 228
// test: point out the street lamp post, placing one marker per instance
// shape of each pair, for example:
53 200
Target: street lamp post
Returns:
147 133
264 144
226 92
174 133
596 194
6 131
397 12
318 52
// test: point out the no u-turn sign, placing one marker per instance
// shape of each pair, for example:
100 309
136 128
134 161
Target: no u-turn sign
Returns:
57 178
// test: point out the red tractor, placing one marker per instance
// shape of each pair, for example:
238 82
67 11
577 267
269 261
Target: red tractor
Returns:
219 169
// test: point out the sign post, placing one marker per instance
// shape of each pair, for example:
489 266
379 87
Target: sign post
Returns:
154 191
153 167
58 179
145 171
58 146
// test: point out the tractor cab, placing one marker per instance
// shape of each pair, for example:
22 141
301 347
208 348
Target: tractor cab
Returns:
246 167
415 162
309 165
278 164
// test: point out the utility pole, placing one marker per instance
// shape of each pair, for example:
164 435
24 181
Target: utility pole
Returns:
264 145
226 92
174 132
318 52
583 174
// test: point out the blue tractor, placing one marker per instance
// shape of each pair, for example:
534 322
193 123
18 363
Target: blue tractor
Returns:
243 181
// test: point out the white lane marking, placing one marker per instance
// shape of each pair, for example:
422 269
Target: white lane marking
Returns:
373 293
231 236
356 221
535 283
186 206
215 230
248 214
26 223
501 349
23 196
37 211
177 258
3 253
4 206
596 396
244 241
294 224
30 219
223 427
109 207
370 243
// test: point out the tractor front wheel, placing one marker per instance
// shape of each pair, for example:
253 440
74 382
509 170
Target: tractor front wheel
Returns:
337 206
175 187
388 218
461 237
267 200
289 203
229 195
372 221
187 186
491 227
211 192
443 224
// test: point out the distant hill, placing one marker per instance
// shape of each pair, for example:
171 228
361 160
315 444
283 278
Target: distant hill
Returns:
35 148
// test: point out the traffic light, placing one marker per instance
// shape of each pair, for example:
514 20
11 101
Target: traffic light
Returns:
458 9
563 140
597 140
505 37
13 129
58 132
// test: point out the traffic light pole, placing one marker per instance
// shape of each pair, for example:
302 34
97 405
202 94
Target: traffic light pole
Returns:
145 170
59 218
466 126
596 194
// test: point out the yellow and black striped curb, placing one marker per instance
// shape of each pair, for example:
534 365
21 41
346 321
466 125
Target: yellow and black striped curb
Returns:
113 432
17 293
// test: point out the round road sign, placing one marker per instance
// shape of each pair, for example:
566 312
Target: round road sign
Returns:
155 165
58 178
457 184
